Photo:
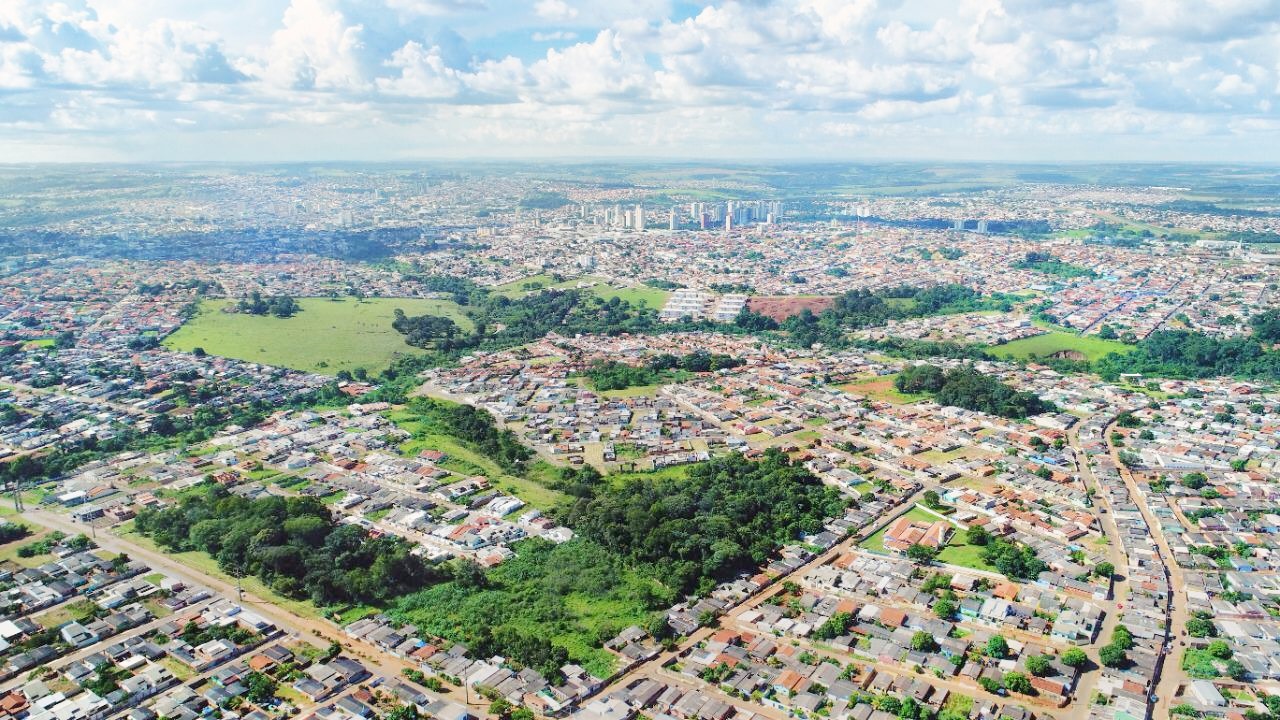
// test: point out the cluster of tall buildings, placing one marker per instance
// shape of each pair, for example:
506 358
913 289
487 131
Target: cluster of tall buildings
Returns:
696 215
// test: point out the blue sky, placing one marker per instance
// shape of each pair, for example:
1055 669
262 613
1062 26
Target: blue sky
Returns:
1001 80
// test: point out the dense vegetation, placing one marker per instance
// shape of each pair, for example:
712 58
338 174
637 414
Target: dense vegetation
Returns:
424 330
292 544
1049 265
1266 326
282 306
967 388
502 322
858 309
1012 559
614 375
474 427
1189 354
10 531
728 516
536 607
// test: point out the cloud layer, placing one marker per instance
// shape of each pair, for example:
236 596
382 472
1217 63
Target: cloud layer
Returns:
382 79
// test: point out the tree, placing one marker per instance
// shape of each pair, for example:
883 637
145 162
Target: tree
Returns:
1194 480
989 685
1219 649
1266 325
919 379
1122 638
977 535
923 642
921 553
261 688
944 608
403 712
500 707
1112 656
1074 657
932 499
1201 627
998 647
1104 569
834 627
1038 665
1017 682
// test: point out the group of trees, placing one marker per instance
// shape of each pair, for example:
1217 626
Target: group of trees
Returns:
968 388
1115 653
473 426
1049 265
424 330
294 545
11 531
614 375
1266 326
860 308
515 608
281 306
729 515
502 322
1012 559
1190 354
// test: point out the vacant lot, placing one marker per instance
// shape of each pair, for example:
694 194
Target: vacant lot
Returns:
327 336
782 307
650 297
881 389
1057 341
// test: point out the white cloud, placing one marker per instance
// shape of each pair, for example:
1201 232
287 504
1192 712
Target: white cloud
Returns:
555 10
789 75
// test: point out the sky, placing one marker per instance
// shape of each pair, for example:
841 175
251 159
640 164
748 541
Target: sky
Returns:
316 80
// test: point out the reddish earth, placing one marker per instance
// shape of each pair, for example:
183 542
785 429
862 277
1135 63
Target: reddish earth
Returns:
782 307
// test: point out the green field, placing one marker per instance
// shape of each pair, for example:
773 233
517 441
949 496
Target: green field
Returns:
881 388
959 552
1040 346
327 336
651 297
465 461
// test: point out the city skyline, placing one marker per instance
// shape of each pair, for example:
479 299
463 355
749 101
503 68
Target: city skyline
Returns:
325 80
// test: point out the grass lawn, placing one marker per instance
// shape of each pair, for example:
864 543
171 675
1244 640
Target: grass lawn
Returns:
325 337
465 461
959 552
9 551
1200 664
634 391
1054 341
881 389
180 670
518 288
651 297
59 616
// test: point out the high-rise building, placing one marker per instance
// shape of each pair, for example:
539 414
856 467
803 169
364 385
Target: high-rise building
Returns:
639 217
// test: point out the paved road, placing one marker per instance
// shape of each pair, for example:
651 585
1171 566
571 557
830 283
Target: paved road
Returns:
1120 587
1171 676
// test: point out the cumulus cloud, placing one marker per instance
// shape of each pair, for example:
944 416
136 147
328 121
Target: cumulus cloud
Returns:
794 75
